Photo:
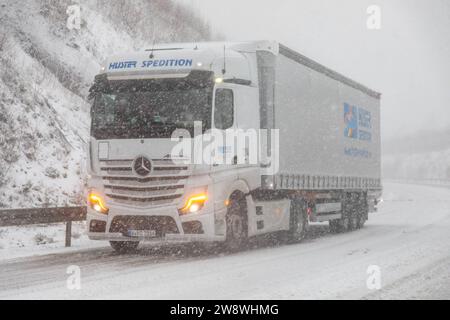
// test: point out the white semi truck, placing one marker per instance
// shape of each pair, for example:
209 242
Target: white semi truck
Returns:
156 173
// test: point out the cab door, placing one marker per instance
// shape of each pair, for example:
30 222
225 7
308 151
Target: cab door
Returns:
223 165
224 123
247 124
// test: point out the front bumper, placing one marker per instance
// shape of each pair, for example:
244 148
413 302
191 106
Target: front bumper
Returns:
167 239
210 222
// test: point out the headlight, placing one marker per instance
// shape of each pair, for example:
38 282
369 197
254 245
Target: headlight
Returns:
97 203
194 204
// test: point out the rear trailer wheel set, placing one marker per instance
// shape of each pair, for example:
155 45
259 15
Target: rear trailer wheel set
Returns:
354 215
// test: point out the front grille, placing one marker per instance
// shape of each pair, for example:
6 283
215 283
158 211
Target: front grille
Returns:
163 186
162 225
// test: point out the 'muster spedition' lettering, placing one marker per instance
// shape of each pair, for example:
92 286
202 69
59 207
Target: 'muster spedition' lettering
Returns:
151 64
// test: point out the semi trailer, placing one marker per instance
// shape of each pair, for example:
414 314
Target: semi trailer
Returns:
307 150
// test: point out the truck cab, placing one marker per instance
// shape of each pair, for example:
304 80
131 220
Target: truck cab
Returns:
138 189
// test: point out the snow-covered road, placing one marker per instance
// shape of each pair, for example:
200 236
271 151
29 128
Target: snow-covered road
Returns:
408 239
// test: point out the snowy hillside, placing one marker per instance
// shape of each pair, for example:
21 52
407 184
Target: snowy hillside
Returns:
45 73
430 165
425 155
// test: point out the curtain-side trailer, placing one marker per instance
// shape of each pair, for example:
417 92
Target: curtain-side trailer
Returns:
316 135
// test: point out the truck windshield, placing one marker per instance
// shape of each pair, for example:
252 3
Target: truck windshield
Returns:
150 111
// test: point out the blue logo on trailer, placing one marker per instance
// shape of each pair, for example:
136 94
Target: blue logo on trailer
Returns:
358 123
365 125
351 121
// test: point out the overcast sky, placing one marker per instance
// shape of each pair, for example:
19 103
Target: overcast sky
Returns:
407 60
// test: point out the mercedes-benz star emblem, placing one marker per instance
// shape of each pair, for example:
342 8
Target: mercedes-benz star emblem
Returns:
142 166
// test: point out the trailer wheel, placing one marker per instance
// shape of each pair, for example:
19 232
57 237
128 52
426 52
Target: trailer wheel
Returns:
353 220
124 246
334 226
361 222
340 225
236 225
298 221
362 216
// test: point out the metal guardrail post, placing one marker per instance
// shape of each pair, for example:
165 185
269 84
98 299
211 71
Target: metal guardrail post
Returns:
22 217
68 233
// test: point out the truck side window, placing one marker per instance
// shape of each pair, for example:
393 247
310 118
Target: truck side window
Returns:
223 109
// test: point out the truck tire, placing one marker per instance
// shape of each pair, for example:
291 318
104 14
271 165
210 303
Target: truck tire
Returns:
361 222
362 216
334 226
354 218
124 246
340 225
344 223
298 221
236 225
348 221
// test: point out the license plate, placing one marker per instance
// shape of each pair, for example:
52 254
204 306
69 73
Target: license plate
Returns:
141 233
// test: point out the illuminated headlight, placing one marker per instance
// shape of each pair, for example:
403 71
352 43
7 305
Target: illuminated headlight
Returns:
97 203
194 204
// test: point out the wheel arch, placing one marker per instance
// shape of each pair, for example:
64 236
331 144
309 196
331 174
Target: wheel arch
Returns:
238 186
239 189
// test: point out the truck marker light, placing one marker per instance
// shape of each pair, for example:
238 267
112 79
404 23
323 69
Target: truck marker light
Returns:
219 80
194 204
97 203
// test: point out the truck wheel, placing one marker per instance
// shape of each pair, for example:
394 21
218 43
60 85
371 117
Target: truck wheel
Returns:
361 222
340 225
353 220
299 222
334 226
237 225
362 217
348 220
344 223
124 246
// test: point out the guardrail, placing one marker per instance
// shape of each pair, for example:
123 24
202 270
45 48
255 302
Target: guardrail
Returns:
431 182
20 217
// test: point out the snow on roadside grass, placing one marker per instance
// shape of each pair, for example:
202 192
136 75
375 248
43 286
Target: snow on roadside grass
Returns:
40 239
